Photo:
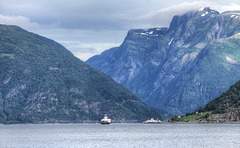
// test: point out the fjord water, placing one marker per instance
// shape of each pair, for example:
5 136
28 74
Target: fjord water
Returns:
120 135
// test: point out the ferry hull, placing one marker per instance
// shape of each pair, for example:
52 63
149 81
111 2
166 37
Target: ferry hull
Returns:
152 121
105 123
105 120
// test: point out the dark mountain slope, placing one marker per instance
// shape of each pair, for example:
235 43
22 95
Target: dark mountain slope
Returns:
41 81
228 101
224 109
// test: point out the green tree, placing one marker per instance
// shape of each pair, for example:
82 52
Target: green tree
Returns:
207 115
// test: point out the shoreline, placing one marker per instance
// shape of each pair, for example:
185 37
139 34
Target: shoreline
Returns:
57 123
203 122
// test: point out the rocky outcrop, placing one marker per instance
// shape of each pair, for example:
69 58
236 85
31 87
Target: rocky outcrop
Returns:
230 116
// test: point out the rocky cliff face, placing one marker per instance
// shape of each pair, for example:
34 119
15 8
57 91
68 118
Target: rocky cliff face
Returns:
41 81
181 67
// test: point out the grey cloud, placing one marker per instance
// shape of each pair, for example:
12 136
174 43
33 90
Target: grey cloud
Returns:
72 14
101 15
82 14
18 20
88 27
164 16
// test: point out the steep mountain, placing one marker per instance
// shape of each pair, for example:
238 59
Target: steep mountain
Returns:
41 81
224 109
179 68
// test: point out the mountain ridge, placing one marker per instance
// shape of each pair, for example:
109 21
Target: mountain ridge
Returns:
42 82
156 65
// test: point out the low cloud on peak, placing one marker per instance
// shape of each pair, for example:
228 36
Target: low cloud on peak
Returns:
164 16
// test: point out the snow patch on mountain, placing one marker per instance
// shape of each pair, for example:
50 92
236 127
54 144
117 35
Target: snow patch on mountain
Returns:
234 16
151 32
155 63
231 61
201 45
170 42
189 57
204 14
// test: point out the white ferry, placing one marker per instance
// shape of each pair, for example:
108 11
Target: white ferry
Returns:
105 120
152 120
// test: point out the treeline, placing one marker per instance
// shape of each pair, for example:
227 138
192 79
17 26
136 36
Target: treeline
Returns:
227 100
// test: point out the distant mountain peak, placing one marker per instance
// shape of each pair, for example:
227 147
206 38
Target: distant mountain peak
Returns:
207 11
184 67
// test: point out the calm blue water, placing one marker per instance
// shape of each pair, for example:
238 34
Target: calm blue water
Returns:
120 136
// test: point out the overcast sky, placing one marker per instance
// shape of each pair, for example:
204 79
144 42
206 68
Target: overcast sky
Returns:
88 27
